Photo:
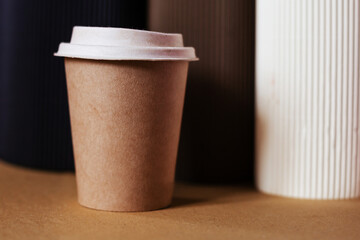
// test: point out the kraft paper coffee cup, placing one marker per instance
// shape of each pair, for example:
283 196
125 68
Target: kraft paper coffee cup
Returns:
126 92
307 98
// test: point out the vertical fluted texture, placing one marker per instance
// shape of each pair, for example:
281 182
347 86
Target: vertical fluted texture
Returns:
216 143
307 98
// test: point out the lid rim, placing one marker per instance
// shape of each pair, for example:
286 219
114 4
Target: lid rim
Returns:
127 59
126 53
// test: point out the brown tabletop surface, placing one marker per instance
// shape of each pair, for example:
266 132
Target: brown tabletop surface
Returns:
42 205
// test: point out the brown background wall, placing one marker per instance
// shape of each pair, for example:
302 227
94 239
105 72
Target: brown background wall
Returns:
217 141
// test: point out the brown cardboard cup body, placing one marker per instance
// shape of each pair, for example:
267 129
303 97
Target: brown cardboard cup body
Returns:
125 120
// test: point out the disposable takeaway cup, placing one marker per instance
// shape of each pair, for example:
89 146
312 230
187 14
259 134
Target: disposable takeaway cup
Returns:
126 91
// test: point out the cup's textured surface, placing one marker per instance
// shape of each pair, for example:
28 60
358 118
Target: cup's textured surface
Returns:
125 120
307 98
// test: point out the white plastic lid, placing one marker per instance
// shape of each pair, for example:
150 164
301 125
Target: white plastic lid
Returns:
105 43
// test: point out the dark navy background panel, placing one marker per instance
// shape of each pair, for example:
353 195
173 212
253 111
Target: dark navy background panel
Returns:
34 118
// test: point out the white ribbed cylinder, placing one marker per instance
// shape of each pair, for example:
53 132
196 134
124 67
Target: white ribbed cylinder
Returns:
307 98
